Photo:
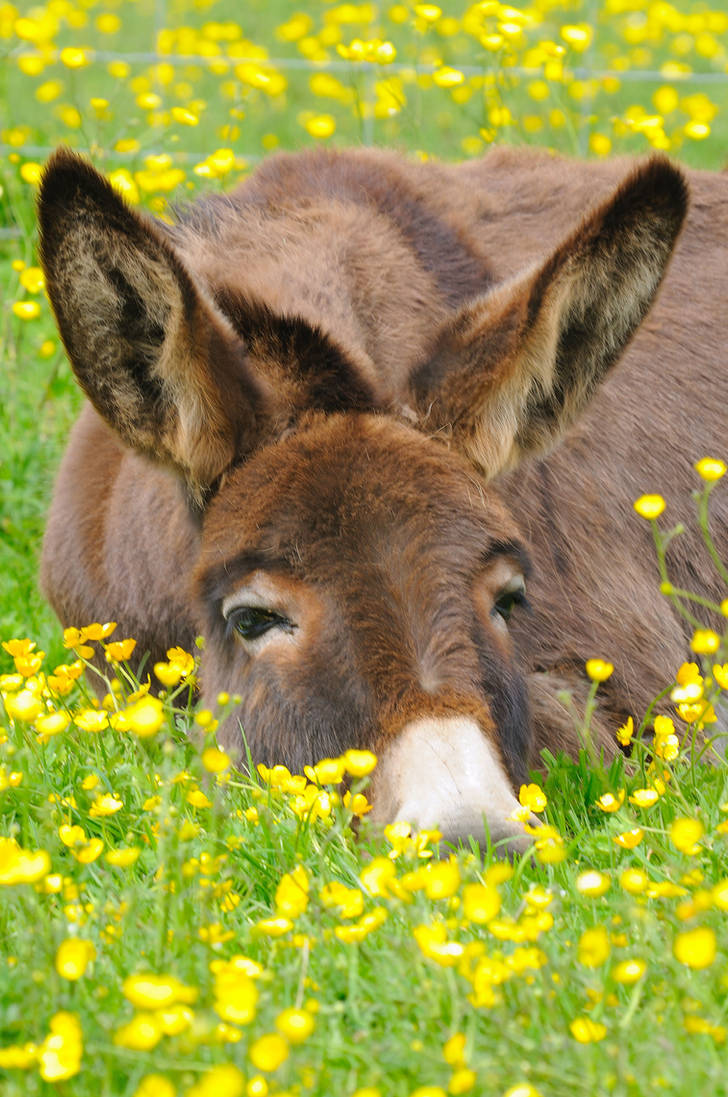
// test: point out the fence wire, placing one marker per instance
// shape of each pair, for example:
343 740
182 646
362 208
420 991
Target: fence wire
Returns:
162 20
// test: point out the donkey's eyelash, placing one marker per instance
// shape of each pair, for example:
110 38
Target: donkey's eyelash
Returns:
250 622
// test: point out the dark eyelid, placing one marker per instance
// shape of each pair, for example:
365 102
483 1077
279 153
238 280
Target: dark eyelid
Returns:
514 550
217 582
276 620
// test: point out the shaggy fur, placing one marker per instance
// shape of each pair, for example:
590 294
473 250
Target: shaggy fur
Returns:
322 383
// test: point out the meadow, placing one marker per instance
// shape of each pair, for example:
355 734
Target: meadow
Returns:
172 927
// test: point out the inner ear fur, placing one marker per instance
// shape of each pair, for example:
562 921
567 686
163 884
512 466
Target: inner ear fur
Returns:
153 353
514 369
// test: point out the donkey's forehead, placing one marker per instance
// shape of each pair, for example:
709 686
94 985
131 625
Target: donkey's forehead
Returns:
349 482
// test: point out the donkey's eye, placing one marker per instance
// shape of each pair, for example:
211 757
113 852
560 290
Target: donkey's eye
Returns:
508 598
252 621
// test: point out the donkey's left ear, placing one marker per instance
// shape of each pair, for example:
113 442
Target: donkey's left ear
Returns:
517 366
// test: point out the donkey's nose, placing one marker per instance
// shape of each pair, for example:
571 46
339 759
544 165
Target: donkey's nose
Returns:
443 772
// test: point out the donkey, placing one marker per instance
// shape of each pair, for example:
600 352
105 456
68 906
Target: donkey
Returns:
342 416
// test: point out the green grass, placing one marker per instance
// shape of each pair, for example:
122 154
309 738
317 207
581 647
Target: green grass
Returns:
208 876
212 871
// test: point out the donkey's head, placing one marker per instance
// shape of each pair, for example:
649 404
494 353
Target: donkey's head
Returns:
357 567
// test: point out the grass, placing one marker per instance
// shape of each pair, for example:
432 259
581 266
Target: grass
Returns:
596 964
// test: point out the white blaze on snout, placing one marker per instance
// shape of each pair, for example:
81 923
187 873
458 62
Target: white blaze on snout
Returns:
443 772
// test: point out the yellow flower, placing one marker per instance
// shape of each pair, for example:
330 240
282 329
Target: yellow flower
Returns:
91 720
106 804
649 506
462 1081
197 798
356 932
224 1080
447 77
155 1085
32 278
608 802
89 852
532 797
429 12
18 648
629 839
215 760
24 706
685 834
122 857
32 173
291 897
594 947
295 1024
168 674
522 1089
350 901
21 866
592 883
549 845
378 876
59 1056
185 117
598 669
145 717
711 468
453 1051
719 895
71 835
705 641
720 673
269 1052
696 948
51 723
74 58
150 992
15 1057
274 927
330 771
644 797
586 1031
142 1033
481 903
434 944
442 879
633 880
705 1028
359 763
118 651
578 36
625 732
29 665
629 971
357 804
320 125
73 957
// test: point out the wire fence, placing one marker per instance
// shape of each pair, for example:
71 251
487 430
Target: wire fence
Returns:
161 20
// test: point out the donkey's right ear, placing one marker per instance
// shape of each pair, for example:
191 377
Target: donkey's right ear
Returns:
153 353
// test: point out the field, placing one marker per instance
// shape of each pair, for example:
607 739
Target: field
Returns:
173 928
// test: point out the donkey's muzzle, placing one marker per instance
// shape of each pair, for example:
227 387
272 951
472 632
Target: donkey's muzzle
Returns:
444 773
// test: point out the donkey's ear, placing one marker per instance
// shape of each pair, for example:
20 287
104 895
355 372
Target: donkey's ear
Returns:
153 353
516 367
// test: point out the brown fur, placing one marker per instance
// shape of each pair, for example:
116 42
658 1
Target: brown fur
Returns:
335 361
